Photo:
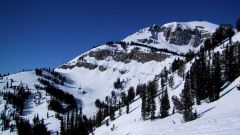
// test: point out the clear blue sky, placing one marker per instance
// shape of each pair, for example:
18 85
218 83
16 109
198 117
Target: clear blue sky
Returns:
47 33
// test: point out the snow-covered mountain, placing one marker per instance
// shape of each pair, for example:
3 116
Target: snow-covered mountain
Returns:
137 59
175 36
134 63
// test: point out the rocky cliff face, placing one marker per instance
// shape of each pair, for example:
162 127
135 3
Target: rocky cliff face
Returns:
185 36
175 33
117 53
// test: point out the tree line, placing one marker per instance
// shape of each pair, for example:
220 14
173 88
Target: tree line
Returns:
57 96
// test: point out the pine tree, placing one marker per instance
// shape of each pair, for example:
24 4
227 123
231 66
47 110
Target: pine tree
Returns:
123 98
107 122
127 108
99 117
238 56
7 85
131 94
72 123
181 71
216 75
229 33
187 101
164 104
232 64
209 81
152 90
112 111
208 44
143 97
238 24
23 127
68 123
201 74
62 127
171 81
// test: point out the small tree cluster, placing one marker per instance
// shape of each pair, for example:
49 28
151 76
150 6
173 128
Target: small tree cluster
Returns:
223 32
111 105
177 63
75 123
148 94
38 72
17 98
25 128
185 104
118 84
58 95
164 103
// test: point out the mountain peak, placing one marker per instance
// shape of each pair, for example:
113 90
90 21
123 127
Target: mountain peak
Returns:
205 25
175 36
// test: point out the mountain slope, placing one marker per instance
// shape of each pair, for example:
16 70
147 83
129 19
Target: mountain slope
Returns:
99 82
217 118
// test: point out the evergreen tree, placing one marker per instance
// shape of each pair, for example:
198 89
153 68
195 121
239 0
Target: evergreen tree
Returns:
229 33
238 24
112 111
164 104
216 75
99 118
177 63
38 127
230 64
114 97
62 126
187 101
107 122
201 78
152 90
171 81
177 104
98 104
127 108
238 57
131 94
181 71
143 107
123 98
23 127
208 44
7 85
